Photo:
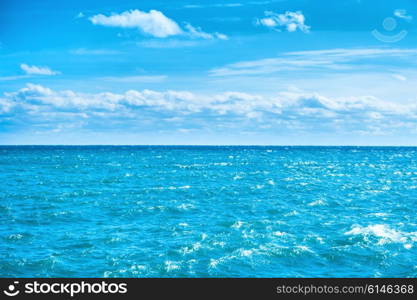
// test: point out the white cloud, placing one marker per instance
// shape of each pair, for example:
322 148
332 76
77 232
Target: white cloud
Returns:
5 105
221 36
294 110
402 14
35 70
290 21
153 23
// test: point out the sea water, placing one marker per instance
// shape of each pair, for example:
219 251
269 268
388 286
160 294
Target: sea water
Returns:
139 211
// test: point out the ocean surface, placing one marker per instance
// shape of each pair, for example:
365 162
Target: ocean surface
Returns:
139 211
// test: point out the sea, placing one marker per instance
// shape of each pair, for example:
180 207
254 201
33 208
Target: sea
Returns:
208 211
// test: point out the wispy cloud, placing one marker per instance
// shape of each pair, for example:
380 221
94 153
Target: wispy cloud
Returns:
145 79
36 70
80 15
357 52
198 33
11 78
83 51
220 5
399 77
290 21
231 5
334 59
171 43
153 23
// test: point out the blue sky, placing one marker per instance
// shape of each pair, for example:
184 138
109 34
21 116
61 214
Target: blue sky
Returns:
296 72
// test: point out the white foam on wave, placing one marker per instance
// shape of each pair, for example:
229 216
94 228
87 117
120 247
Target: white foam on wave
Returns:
16 236
184 187
157 208
185 206
60 213
385 233
221 244
379 214
291 213
223 164
194 247
301 248
188 166
316 203
171 265
213 263
237 224
227 258
249 234
245 252
378 230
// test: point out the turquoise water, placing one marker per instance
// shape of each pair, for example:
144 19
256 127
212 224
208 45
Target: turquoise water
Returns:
208 211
